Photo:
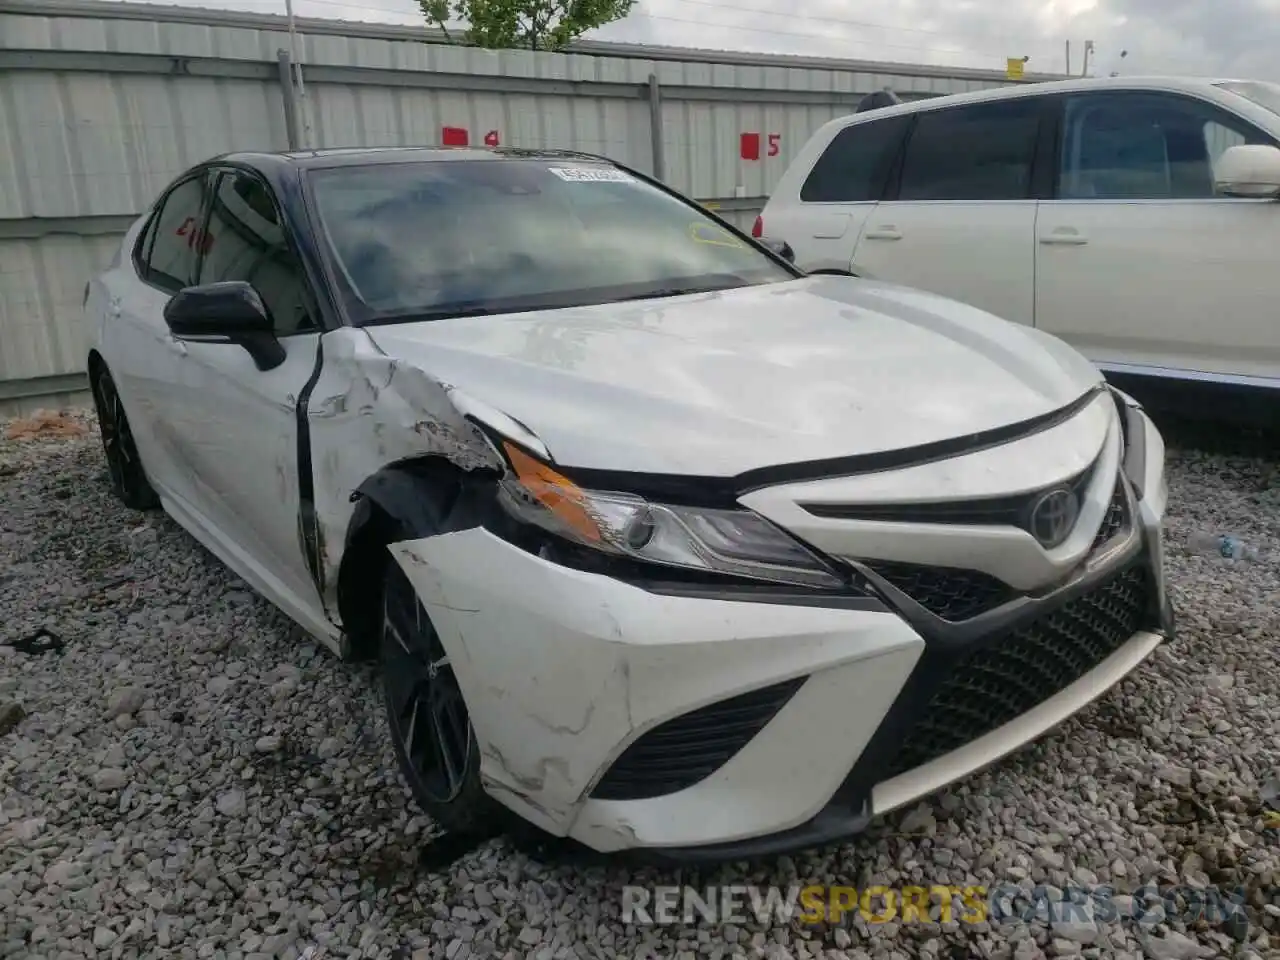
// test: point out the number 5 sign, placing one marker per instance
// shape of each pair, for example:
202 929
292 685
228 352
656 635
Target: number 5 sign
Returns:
750 145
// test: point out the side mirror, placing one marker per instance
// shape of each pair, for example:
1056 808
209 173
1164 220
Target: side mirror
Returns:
779 247
230 311
1249 170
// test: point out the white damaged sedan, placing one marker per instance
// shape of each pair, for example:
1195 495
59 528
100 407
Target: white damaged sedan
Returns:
661 544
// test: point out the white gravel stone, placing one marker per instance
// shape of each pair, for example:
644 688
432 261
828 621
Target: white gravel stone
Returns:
191 779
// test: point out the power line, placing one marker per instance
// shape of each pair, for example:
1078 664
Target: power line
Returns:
770 31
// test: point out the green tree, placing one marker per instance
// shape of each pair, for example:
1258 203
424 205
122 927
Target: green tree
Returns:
531 24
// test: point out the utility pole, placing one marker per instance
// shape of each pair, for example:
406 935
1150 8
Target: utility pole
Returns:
1068 70
1088 49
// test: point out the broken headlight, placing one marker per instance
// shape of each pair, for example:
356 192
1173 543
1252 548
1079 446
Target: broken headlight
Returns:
732 543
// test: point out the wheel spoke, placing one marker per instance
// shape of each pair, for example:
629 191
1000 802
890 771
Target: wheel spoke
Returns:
451 757
412 730
426 706
398 637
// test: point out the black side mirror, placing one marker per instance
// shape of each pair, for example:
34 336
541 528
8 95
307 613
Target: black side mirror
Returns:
780 247
230 311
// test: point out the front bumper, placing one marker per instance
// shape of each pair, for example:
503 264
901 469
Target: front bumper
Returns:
595 701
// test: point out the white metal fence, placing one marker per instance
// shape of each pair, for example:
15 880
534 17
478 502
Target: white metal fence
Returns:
102 105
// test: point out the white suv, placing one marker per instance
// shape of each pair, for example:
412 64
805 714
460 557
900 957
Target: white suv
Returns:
1134 218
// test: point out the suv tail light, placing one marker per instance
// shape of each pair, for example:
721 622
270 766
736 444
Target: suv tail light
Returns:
757 228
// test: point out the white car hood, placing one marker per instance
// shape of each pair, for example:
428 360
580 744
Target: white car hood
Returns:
721 383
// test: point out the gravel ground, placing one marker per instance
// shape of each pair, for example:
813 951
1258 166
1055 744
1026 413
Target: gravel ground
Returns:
189 776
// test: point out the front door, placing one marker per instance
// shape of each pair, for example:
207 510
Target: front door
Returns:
244 445
1140 264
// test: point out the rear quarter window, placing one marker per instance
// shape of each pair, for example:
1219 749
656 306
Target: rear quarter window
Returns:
856 164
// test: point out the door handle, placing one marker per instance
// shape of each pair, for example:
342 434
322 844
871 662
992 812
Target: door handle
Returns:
1064 236
113 306
886 232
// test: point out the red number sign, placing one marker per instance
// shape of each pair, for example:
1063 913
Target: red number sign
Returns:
750 145
461 137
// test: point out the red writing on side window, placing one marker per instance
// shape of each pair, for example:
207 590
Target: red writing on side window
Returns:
195 235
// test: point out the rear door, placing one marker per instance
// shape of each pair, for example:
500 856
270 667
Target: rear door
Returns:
960 220
838 194
1140 264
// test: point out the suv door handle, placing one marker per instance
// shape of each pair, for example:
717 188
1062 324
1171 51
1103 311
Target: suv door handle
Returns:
1065 236
113 306
886 232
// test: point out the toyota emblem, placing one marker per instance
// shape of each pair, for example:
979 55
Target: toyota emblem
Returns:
1054 517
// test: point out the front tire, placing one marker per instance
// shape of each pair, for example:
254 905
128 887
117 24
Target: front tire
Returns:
431 729
128 478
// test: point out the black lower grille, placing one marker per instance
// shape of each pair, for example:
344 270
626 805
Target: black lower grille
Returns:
1115 518
983 689
946 592
681 752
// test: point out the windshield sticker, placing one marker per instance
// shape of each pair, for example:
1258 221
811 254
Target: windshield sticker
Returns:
714 235
592 175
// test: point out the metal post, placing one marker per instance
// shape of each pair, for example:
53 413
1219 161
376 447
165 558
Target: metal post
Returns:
297 74
289 96
1068 58
655 128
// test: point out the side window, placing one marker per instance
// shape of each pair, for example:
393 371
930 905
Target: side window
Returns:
980 152
1134 146
247 242
168 257
856 163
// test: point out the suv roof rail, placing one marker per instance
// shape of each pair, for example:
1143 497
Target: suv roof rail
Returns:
877 100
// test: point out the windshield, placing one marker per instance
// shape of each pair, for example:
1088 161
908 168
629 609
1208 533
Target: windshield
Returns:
1266 95
443 238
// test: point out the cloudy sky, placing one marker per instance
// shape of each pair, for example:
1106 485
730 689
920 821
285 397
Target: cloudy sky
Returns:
1239 38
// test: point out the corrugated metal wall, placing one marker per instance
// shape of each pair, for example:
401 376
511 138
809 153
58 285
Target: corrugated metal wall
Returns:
101 106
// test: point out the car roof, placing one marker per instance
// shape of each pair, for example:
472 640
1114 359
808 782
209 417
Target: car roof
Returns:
360 156
1171 84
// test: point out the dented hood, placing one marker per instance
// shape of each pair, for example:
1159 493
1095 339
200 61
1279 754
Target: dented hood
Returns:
720 383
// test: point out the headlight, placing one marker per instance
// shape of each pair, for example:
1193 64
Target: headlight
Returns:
727 542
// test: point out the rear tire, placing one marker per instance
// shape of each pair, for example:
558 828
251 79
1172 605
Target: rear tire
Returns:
128 477
431 729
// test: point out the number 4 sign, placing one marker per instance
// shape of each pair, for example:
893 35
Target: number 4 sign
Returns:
461 137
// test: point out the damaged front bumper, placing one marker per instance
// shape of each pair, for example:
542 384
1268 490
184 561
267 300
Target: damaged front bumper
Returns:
714 726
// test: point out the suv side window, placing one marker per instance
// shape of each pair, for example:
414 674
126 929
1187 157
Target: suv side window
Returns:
979 152
1141 146
856 164
248 242
166 255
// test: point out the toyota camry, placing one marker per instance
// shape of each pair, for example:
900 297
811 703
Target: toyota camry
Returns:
660 543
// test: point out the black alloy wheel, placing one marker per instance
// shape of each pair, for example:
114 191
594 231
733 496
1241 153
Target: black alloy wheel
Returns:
128 478
431 729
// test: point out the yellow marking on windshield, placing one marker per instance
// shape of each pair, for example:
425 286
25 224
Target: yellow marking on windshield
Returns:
720 238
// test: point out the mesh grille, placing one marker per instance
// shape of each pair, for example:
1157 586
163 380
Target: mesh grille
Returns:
688 749
1010 674
946 592
1115 518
